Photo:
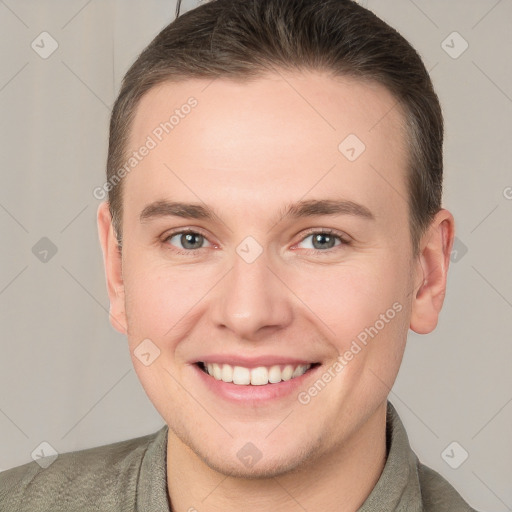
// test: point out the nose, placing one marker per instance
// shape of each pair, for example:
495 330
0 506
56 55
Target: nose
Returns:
251 300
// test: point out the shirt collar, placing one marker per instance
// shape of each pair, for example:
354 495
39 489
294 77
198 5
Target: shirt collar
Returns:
152 492
398 487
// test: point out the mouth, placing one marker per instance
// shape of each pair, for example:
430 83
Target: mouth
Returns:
258 376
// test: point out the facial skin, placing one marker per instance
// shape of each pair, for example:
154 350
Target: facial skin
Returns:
247 151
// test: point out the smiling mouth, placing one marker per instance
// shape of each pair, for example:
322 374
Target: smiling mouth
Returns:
259 376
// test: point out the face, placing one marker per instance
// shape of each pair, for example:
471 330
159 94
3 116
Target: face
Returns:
261 239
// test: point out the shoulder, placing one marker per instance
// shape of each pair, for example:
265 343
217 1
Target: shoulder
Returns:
438 495
99 478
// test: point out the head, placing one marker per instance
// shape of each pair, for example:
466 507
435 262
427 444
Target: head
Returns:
300 146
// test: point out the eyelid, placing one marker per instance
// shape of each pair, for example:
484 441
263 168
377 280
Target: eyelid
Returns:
327 231
183 231
343 237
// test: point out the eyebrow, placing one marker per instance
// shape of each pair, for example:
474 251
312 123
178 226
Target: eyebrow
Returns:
308 208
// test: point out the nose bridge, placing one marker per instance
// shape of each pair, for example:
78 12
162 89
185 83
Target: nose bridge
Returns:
251 297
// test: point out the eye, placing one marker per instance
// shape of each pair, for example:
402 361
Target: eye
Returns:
321 240
188 240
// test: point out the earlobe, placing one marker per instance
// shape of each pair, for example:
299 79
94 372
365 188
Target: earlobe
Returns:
431 273
113 268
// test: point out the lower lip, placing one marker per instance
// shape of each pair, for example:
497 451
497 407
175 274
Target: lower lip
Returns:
250 393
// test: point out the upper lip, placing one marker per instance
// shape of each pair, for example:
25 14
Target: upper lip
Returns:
252 362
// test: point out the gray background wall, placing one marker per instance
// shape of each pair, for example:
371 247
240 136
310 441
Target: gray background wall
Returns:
65 375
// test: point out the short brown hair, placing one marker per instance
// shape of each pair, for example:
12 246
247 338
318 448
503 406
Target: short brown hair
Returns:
242 39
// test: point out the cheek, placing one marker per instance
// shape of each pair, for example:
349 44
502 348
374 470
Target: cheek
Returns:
161 300
146 306
349 298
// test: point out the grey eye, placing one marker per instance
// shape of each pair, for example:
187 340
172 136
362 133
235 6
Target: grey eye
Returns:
188 240
320 241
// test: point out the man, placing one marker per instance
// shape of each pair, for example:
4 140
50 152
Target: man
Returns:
273 229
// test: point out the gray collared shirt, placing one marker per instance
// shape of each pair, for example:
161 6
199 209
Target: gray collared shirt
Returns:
131 476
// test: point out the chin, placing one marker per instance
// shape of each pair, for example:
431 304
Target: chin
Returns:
262 469
259 460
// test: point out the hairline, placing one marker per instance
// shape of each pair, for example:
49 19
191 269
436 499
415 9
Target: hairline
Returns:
407 125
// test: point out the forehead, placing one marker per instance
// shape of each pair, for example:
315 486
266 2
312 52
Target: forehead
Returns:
278 136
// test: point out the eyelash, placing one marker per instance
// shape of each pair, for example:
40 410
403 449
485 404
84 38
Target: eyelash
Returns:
190 252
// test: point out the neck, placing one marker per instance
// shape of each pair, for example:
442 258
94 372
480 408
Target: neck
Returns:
340 480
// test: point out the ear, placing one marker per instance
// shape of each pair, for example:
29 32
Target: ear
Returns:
431 272
113 268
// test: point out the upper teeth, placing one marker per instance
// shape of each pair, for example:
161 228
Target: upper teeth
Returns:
255 376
